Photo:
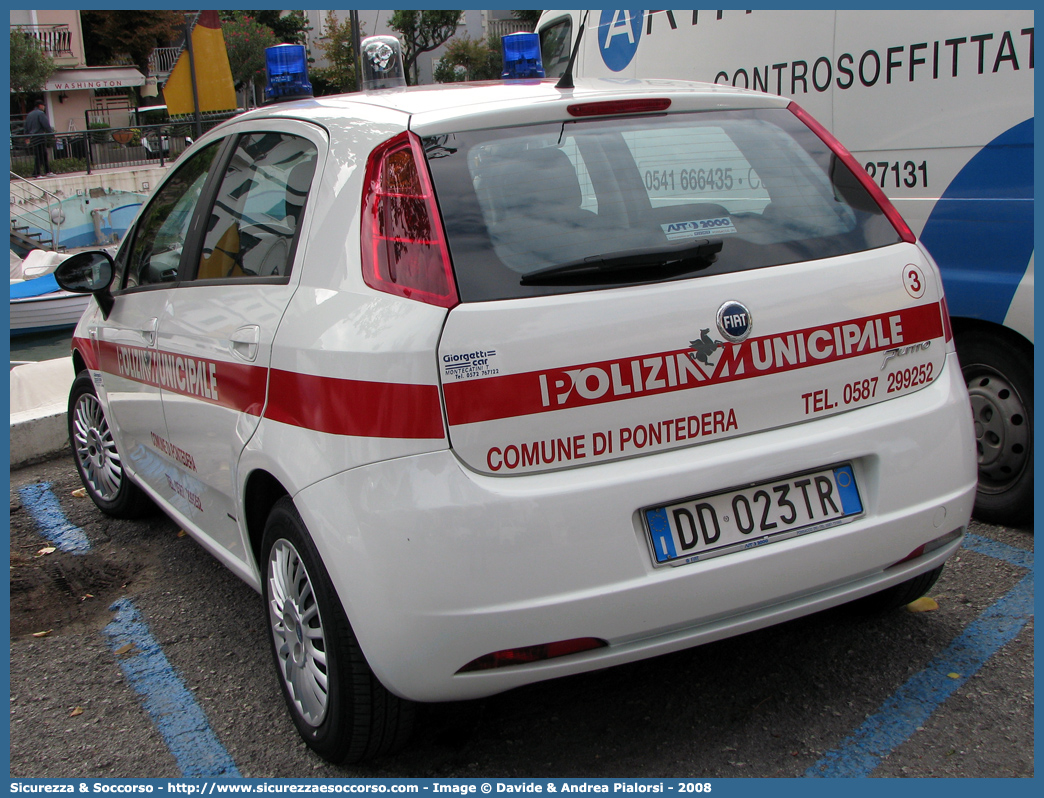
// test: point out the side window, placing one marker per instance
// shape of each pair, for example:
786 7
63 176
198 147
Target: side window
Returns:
258 207
155 254
556 41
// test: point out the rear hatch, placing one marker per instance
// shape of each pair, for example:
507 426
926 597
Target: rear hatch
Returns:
636 283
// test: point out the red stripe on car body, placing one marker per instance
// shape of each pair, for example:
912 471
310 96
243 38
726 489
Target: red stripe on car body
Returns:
86 350
323 404
355 407
560 388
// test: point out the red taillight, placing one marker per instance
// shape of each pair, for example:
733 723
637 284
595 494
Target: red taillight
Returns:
525 654
913 555
947 327
901 227
403 245
931 545
613 107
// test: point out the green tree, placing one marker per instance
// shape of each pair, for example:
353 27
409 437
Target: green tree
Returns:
245 41
470 59
110 35
288 27
422 32
30 64
339 76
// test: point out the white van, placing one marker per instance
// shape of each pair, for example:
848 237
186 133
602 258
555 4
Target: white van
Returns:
938 108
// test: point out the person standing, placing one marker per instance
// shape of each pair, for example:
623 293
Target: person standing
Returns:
38 127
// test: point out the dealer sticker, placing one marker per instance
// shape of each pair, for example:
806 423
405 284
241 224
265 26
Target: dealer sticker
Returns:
469 365
700 228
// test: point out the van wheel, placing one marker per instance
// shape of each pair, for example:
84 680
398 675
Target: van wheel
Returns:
897 596
97 459
339 707
1000 383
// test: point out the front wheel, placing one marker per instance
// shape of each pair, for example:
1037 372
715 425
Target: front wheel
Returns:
999 374
338 705
97 459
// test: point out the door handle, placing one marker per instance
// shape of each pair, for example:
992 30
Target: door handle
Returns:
95 346
245 342
148 332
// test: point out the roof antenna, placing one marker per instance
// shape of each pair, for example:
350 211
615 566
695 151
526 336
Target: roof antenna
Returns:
566 81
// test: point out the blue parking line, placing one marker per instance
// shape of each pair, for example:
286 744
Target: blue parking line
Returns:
909 707
169 703
999 551
43 506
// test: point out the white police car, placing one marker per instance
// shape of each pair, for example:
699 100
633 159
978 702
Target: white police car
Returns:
481 385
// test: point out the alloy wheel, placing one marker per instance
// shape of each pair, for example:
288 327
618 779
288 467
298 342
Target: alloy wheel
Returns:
96 452
297 629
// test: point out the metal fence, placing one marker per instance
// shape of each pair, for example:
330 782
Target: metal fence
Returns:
38 224
106 148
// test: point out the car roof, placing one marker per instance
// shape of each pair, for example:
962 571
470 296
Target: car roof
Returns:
429 107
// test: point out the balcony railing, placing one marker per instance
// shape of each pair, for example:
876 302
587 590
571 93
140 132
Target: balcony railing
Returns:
162 60
56 40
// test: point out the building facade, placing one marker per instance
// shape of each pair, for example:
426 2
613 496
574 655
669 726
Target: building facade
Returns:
75 92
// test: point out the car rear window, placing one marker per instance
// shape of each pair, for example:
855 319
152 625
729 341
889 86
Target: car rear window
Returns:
521 200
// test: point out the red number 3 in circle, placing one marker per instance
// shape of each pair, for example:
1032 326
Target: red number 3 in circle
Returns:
913 281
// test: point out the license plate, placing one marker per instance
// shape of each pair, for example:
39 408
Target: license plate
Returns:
723 523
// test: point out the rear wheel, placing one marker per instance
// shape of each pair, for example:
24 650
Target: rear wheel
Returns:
900 595
97 460
337 704
999 374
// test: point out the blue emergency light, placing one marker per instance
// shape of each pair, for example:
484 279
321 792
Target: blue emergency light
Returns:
522 56
286 69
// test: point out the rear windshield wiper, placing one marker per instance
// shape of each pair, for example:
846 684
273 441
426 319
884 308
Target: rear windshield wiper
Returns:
678 258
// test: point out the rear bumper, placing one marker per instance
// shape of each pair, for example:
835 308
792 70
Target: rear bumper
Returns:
437 565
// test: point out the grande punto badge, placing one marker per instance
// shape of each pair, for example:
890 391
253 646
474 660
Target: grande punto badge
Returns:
734 321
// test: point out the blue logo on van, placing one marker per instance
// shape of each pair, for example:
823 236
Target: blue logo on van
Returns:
990 199
734 321
619 32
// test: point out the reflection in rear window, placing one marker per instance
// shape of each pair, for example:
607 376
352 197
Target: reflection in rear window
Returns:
522 200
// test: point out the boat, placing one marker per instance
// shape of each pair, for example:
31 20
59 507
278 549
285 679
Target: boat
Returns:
39 305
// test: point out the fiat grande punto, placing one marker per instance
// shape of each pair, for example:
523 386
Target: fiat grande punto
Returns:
480 385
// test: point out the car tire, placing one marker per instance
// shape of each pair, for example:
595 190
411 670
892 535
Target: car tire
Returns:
999 375
338 705
98 461
897 596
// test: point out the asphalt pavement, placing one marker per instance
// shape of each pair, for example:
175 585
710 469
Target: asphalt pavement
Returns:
945 692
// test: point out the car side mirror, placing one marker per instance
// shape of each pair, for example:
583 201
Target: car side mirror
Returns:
88 273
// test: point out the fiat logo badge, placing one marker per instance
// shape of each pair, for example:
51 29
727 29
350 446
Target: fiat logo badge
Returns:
734 321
